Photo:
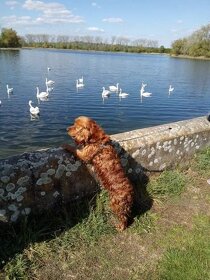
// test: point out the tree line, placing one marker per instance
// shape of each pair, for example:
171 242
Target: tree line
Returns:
10 39
195 45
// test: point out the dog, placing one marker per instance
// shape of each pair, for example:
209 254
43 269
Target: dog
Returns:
94 146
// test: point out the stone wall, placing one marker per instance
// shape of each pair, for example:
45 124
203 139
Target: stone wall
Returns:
35 182
164 146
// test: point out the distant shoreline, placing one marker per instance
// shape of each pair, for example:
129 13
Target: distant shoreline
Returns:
10 49
190 57
77 50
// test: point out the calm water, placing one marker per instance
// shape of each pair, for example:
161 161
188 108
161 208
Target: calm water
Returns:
24 70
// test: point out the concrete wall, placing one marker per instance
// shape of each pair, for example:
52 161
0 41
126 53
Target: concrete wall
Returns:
38 181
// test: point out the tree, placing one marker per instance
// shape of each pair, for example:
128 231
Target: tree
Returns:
178 46
162 49
197 44
9 38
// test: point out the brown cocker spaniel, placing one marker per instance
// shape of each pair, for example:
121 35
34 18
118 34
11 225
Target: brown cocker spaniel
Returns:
94 146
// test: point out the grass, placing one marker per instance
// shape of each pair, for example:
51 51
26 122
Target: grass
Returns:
169 183
202 162
189 255
168 242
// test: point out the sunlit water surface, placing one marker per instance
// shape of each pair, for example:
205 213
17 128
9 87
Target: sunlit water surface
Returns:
26 69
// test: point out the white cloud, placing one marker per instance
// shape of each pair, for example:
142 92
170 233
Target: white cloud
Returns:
95 29
113 20
52 12
11 3
14 20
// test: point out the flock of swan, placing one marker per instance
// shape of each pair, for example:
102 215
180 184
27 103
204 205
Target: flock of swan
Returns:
121 94
107 92
43 96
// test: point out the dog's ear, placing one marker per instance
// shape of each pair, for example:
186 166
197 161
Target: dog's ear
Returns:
86 134
97 134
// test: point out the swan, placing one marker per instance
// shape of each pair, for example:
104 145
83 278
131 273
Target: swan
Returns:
9 90
114 88
170 89
146 94
33 110
105 92
143 93
143 87
123 94
41 95
49 82
79 85
81 80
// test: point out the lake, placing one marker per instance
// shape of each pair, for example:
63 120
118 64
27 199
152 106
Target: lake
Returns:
26 69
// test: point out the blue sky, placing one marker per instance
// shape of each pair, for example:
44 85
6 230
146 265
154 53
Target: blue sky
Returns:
161 20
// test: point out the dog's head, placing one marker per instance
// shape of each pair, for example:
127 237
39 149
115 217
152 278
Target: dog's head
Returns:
86 131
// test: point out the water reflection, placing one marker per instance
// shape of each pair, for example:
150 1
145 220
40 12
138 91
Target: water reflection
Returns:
34 117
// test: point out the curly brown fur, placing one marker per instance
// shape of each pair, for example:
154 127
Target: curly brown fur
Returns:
94 146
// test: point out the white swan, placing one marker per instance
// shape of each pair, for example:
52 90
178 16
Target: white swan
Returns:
33 110
49 82
105 92
170 89
41 95
146 94
143 93
123 94
9 90
79 85
81 80
114 88
142 88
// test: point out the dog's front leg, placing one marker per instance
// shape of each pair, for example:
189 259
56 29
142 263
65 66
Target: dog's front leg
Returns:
86 153
81 154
